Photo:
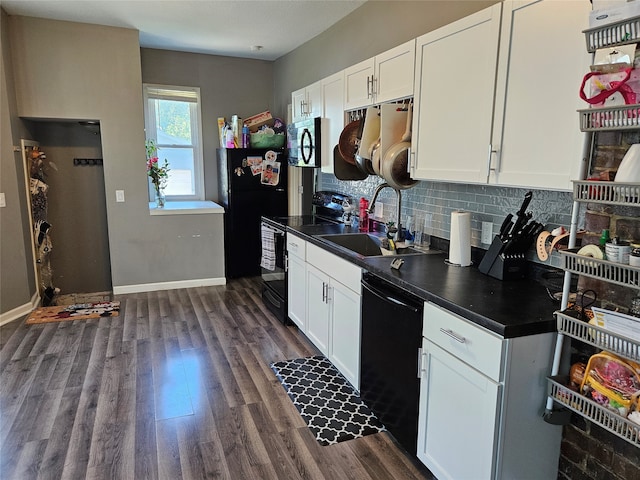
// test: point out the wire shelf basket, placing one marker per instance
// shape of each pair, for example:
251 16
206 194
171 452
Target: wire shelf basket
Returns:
598 337
607 419
612 193
623 32
618 273
621 117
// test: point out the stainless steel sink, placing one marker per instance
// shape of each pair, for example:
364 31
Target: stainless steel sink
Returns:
364 244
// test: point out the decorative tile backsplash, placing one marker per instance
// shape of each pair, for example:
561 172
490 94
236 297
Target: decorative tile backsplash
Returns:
485 203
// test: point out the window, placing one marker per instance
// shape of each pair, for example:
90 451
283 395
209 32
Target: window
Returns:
172 121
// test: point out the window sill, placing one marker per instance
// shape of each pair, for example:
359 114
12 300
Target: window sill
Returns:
186 208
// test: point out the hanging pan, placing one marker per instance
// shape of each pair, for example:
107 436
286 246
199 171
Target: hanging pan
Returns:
348 143
395 164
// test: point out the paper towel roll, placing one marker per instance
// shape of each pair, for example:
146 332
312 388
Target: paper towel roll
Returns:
460 243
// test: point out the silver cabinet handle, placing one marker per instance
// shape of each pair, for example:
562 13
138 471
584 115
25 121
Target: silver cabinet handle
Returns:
294 245
492 151
369 86
324 292
455 336
421 357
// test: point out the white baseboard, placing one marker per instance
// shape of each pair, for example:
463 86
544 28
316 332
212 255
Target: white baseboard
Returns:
20 311
152 287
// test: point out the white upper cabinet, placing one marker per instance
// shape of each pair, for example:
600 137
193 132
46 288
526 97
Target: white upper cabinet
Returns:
394 72
358 85
386 77
454 84
502 112
333 117
540 69
307 102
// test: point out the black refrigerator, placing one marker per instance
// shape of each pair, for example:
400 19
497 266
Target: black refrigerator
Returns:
251 182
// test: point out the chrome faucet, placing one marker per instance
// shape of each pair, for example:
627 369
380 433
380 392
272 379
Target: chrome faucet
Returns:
372 204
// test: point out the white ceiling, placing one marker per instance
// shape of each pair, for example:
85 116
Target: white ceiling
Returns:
218 27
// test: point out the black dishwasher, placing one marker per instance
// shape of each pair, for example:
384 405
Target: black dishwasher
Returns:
391 338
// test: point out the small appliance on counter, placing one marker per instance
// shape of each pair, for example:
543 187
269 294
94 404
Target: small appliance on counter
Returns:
305 143
327 209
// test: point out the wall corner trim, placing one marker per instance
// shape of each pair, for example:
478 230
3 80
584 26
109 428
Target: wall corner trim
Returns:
20 311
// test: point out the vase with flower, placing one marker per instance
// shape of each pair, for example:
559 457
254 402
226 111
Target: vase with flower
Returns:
159 174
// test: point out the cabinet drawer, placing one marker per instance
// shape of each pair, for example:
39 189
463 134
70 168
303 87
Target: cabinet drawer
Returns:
296 246
347 273
477 347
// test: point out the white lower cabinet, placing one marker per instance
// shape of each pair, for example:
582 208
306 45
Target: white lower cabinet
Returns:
318 308
325 309
344 332
459 407
479 413
297 291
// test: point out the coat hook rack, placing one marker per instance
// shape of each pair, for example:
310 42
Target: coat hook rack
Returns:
87 161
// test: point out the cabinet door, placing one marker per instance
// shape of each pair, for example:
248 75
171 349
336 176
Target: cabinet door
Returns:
314 100
536 127
395 73
454 86
333 117
358 79
297 292
344 338
318 308
458 417
298 104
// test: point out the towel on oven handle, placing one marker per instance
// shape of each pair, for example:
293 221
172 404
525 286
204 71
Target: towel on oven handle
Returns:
268 261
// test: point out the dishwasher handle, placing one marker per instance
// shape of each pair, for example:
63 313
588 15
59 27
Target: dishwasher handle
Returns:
387 297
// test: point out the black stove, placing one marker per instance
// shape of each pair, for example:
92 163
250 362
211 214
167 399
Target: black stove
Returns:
327 210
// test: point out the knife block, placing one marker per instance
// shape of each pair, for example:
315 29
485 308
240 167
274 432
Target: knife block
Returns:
497 264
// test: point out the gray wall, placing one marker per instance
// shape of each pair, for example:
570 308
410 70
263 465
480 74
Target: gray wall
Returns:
98 76
228 86
17 279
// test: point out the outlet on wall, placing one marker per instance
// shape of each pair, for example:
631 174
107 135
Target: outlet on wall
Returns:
487 233
119 196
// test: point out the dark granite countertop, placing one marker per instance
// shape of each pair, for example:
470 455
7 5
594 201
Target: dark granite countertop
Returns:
509 308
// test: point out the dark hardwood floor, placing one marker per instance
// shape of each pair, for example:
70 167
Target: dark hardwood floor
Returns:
178 386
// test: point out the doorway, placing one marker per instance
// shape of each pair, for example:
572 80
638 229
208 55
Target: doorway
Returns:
76 206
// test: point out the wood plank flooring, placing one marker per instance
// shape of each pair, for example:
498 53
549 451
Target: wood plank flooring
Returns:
177 387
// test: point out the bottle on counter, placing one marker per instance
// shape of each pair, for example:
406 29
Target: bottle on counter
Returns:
364 215
246 136
409 231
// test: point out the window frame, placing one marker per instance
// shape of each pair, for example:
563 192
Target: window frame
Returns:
196 134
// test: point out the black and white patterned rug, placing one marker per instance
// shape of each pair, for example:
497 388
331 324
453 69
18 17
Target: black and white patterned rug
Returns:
326 401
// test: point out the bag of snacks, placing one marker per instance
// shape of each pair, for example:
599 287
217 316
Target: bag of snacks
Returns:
611 381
